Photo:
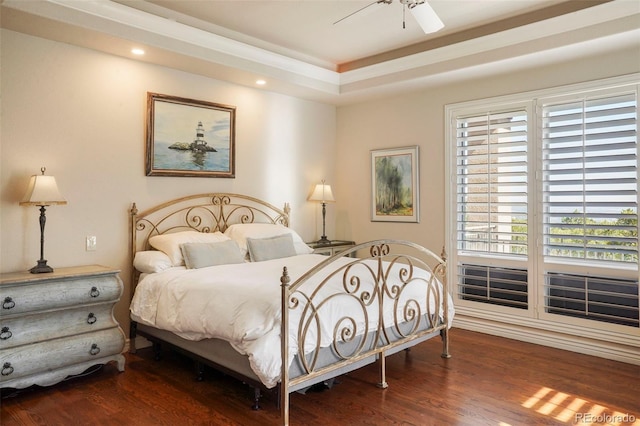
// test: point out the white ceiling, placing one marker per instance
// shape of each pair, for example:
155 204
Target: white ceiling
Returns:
296 47
306 30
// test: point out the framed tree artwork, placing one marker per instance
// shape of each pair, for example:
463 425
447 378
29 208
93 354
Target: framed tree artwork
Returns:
187 137
394 185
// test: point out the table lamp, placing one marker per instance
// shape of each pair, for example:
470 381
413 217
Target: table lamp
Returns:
42 191
322 193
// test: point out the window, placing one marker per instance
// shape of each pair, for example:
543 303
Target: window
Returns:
492 204
495 285
492 183
596 298
544 205
590 186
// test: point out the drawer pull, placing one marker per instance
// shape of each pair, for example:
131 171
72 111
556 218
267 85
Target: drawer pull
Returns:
5 334
7 369
8 303
95 350
94 292
91 319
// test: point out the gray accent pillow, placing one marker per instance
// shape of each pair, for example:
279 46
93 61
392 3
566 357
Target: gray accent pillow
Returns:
270 248
201 255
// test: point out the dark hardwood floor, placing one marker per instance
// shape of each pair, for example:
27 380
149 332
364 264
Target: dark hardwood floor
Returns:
488 381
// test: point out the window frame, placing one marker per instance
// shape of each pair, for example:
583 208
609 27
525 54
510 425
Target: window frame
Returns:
483 259
536 264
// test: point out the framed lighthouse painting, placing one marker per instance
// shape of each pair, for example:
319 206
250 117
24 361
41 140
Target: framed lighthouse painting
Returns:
187 137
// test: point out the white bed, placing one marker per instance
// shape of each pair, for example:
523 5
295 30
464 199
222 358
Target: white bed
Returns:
226 293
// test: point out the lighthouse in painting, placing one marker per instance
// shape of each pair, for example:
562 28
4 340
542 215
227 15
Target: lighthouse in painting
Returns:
199 144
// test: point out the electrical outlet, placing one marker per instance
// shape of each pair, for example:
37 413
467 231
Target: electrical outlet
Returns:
92 243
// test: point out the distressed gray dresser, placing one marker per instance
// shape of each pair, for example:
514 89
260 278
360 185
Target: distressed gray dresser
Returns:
58 324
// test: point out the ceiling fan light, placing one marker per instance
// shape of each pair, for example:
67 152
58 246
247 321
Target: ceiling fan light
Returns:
426 18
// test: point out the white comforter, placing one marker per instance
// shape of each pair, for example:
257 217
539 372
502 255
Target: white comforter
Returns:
239 303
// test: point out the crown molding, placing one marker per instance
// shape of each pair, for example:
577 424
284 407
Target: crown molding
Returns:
109 26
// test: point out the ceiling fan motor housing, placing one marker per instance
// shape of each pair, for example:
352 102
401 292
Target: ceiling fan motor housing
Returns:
424 15
409 3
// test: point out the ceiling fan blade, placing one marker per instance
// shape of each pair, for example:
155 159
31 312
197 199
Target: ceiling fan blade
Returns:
426 18
361 9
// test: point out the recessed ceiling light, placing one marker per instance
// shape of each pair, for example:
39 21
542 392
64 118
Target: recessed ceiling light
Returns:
137 51
261 82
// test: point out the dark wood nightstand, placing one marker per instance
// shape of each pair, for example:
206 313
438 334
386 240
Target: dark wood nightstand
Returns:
330 248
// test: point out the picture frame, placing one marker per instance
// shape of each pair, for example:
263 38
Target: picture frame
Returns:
189 138
395 185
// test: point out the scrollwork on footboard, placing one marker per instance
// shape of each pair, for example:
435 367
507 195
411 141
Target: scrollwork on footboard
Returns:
351 310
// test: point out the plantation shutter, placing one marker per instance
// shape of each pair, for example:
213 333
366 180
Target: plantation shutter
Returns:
491 207
544 207
590 198
492 183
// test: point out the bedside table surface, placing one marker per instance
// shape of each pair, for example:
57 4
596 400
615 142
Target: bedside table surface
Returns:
58 273
331 243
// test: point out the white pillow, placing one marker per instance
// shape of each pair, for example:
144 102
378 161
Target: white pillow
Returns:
170 243
151 261
239 232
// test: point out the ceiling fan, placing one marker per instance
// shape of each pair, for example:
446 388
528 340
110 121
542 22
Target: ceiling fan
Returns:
422 12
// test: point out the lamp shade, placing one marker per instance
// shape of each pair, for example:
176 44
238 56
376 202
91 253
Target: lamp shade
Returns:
322 193
42 191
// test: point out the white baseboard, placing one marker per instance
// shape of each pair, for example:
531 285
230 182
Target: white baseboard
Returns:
589 346
139 343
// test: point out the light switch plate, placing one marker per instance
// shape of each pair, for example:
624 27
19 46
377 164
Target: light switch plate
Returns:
92 243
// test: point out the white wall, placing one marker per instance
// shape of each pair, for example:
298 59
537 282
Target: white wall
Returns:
82 114
418 119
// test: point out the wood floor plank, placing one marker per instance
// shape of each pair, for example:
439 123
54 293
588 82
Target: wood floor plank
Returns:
488 381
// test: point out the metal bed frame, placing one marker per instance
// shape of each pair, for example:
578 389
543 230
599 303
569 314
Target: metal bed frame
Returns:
353 345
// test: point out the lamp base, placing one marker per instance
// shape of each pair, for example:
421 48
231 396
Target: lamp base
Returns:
41 268
323 240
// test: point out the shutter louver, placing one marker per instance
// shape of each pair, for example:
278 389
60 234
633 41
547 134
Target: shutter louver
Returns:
590 197
492 183
544 208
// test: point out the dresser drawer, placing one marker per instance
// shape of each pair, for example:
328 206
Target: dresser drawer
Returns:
54 354
25 329
20 298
